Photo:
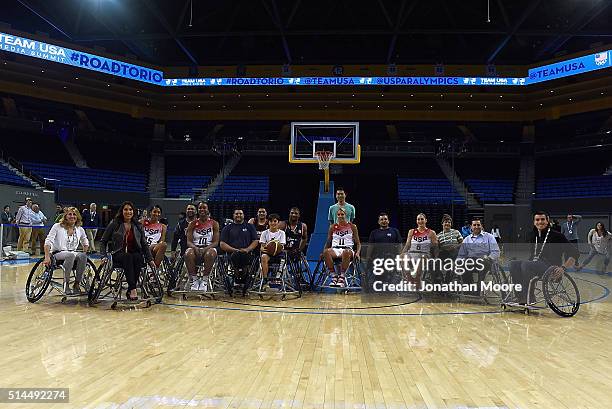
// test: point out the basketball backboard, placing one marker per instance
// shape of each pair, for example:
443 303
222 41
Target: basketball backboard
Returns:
340 138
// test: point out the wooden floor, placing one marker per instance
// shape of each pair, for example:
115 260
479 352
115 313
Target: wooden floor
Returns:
319 352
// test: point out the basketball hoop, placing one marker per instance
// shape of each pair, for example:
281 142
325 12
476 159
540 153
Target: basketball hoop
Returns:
324 157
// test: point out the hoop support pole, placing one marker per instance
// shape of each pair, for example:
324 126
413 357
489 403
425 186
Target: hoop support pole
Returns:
326 172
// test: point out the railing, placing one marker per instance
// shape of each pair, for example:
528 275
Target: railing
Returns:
17 165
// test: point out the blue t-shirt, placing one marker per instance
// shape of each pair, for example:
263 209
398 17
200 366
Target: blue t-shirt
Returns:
239 236
390 235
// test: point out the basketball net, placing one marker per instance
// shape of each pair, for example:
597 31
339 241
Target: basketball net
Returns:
324 157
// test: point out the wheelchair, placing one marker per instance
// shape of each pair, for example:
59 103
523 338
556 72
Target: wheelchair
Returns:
236 279
281 280
322 278
43 277
492 294
182 284
165 271
560 294
109 284
300 269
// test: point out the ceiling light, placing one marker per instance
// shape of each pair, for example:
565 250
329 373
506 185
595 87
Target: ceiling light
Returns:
502 141
404 106
608 131
412 95
240 138
353 94
382 95
471 95
409 141
299 106
199 106
552 91
501 96
267 95
570 99
485 107
108 85
438 139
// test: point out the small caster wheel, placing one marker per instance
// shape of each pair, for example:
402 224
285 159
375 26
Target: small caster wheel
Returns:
148 303
64 299
260 297
184 297
114 306
503 306
526 311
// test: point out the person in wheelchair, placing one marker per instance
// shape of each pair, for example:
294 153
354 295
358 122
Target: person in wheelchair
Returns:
273 233
296 234
421 243
481 245
129 246
62 241
239 239
549 248
155 234
202 242
179 237
341 238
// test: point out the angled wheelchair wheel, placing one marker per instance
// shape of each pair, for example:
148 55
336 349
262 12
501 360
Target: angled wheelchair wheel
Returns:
494 296
561 293
102 284
165 272
88 276
38 281
151 285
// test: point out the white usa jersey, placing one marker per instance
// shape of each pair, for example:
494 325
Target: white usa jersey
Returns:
203 233
342 236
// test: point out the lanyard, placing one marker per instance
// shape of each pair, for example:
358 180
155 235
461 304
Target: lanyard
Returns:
535 247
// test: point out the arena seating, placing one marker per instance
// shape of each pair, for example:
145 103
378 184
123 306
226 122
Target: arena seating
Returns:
11 178
574 187
492 191
243 189
70 176
34 147
427 190
177 186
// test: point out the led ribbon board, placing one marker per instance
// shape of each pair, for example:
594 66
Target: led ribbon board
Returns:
342 81
67 56
567 68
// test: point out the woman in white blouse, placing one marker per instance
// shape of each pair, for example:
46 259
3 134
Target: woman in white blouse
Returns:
63 240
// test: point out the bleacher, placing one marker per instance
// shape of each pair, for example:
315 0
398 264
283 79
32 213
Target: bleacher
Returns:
87 178
492 191
11 178
183 186
427 190
574 187
243 189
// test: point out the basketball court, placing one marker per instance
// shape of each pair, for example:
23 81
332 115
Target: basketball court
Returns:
305 205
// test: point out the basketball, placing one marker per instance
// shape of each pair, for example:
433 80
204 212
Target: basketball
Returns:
273 247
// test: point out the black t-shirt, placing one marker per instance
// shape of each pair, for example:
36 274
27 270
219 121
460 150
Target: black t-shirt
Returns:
239 235
390 235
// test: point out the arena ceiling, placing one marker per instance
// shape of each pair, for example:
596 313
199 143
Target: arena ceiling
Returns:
205 32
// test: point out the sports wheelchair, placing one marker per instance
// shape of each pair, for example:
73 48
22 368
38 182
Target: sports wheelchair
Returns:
281 280
42 277
300 269
234 278
559 293
213 283
322 279
494 277
109 283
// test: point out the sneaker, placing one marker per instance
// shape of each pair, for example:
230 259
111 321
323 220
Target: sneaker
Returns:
341 282
334 282
203 286
195 285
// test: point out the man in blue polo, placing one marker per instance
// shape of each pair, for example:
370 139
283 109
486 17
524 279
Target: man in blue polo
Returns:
479 245
239 239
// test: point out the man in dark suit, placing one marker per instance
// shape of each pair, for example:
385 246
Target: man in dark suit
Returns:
91 223
7 218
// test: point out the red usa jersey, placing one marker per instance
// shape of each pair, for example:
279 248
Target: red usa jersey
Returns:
342 236
152 232
203 233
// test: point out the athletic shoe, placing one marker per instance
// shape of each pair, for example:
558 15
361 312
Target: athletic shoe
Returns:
195 285
341 282
334 282
203 284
